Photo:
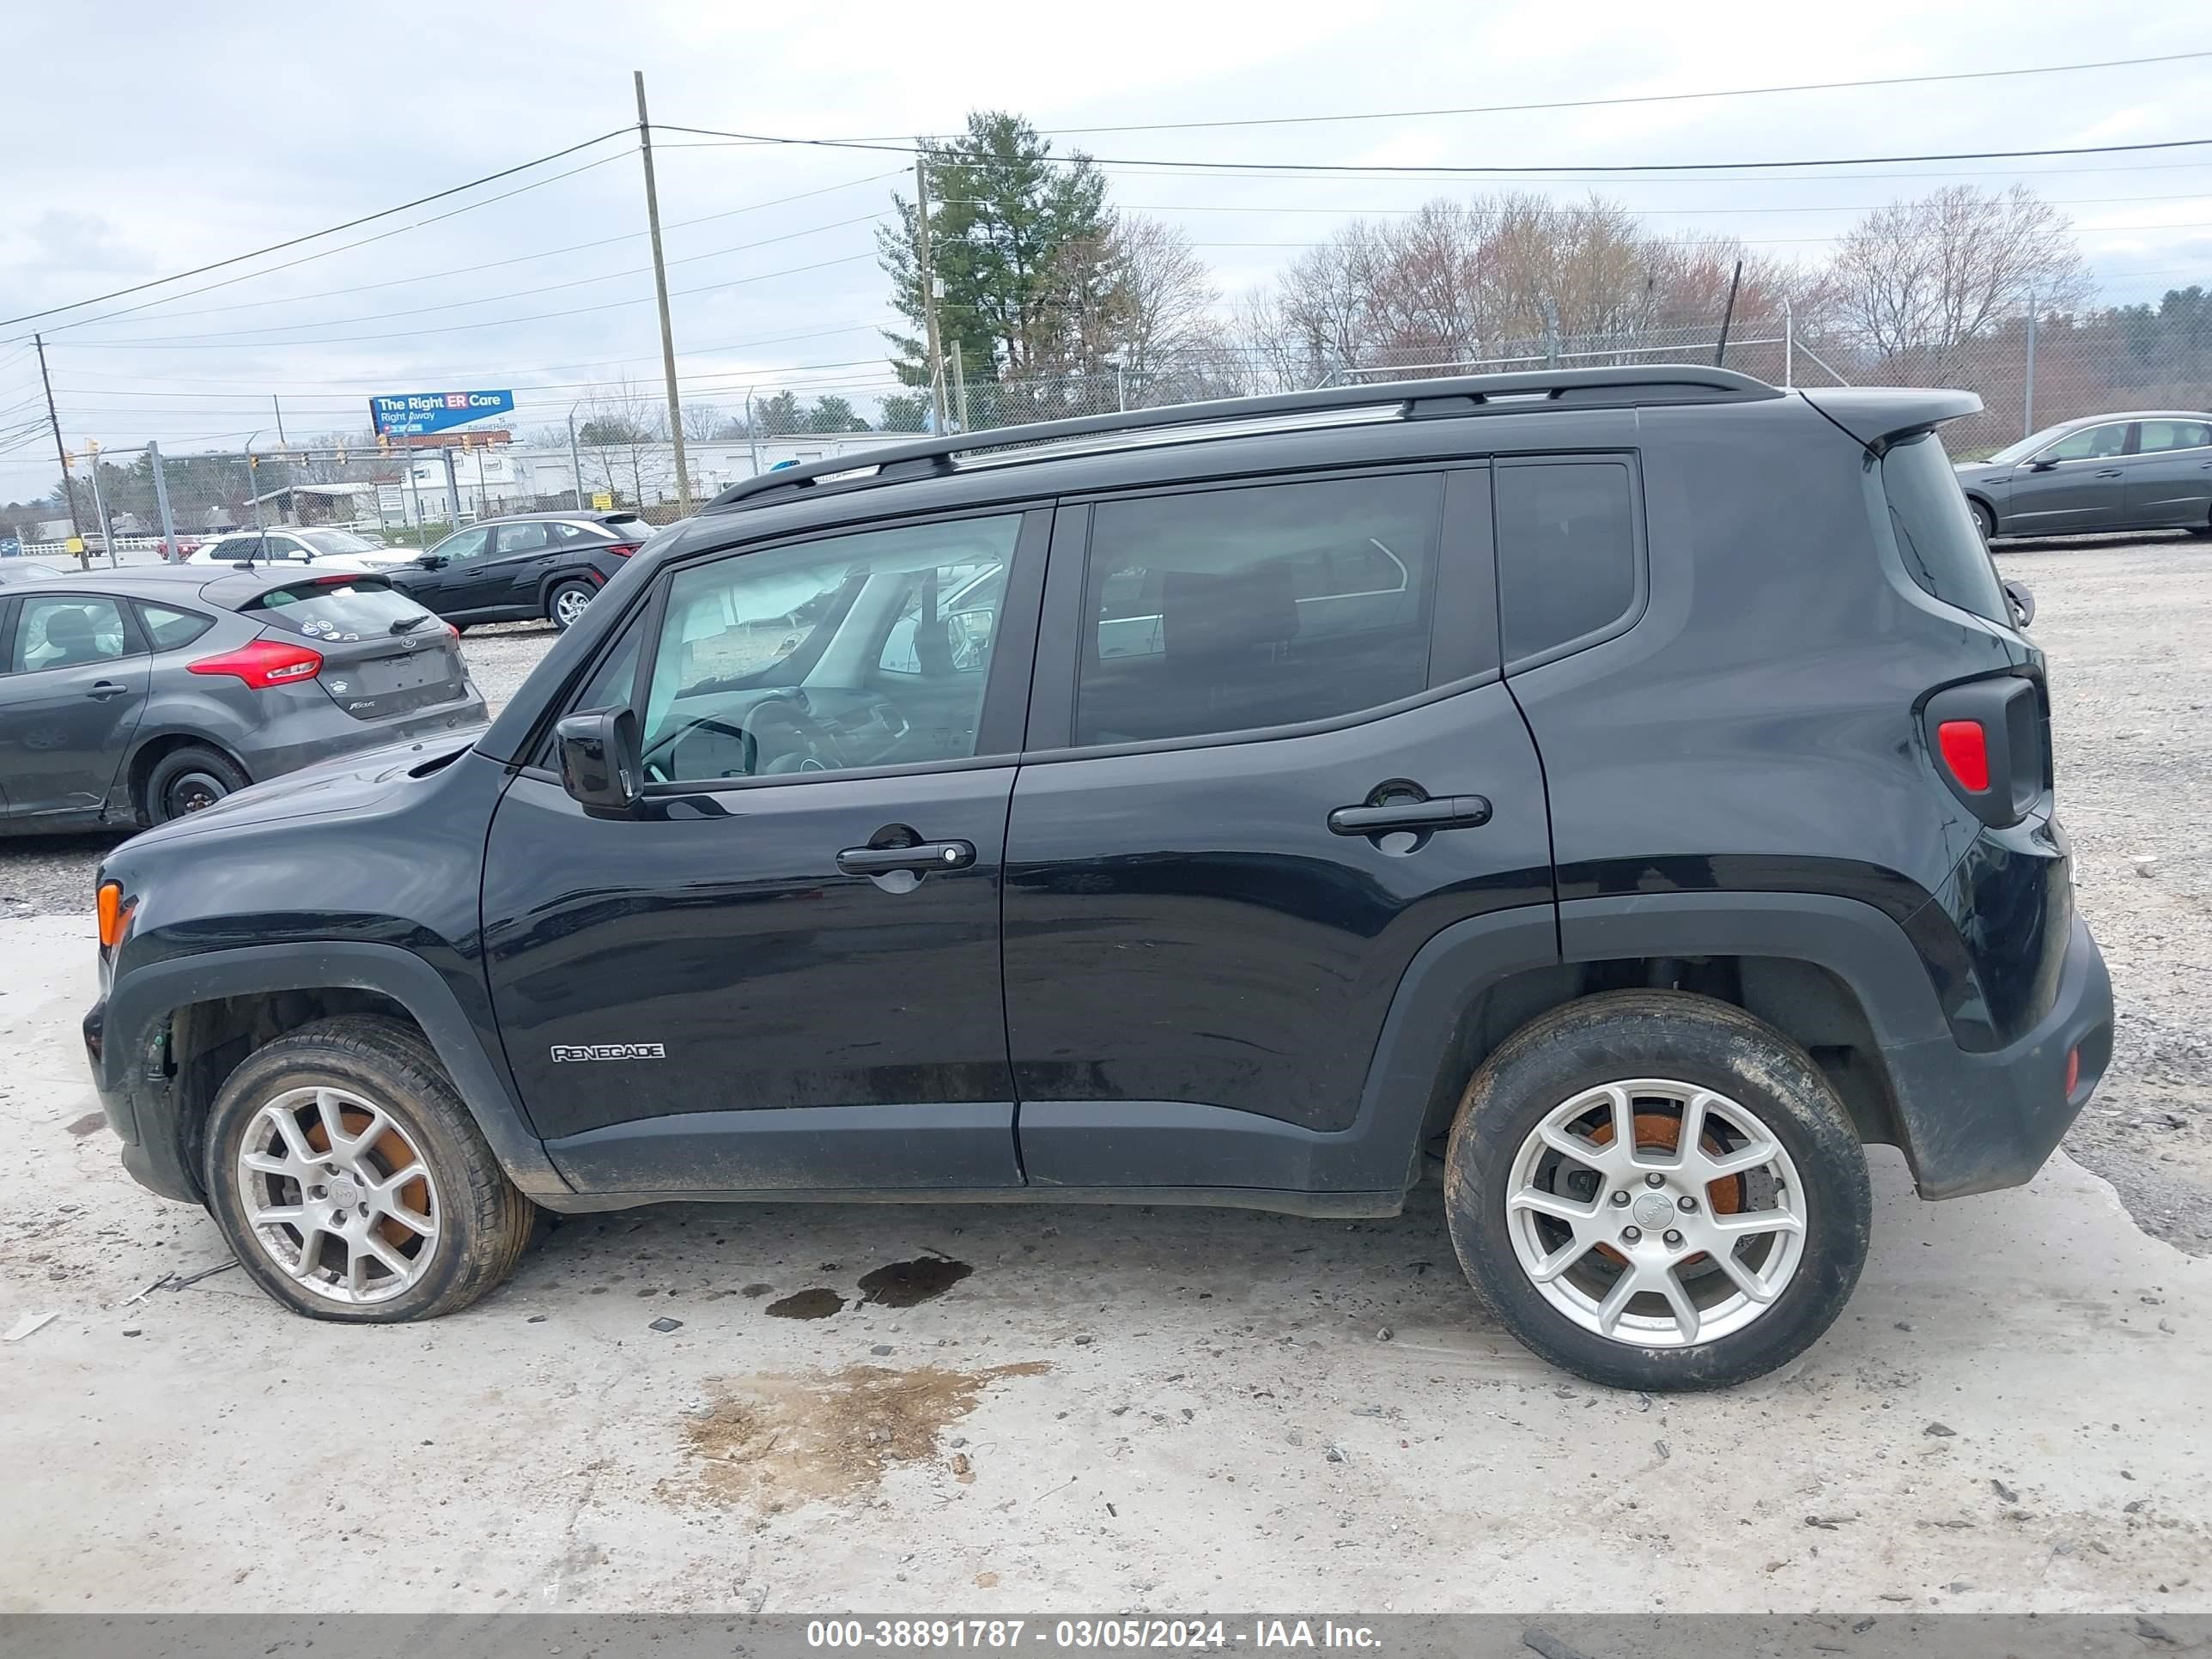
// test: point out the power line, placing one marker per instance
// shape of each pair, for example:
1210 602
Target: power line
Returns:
314 235
482 265
1642 212
486 299
1264 167
210 344
1604 103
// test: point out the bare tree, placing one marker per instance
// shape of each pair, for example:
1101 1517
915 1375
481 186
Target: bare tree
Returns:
1162 293
623 434
1915 280
704 421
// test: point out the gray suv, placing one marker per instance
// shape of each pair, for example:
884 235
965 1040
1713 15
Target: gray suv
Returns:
134 697
2147 468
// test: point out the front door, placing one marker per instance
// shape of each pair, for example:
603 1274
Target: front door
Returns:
461 579
2170 475
1289 764
2077 483
782 973
75 683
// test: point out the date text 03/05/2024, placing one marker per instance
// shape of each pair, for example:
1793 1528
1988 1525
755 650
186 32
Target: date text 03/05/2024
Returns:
1168 1634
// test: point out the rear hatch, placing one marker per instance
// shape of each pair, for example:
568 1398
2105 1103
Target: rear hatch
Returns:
382 654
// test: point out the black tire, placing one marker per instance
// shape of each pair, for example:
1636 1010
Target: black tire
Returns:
578 593
1985 520
1698 1042
188 780
483 1223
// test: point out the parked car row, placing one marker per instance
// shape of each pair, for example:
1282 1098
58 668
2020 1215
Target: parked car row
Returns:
133 697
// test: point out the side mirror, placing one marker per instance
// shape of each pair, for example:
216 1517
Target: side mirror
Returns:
2022 603
601 765
431 560
2041 463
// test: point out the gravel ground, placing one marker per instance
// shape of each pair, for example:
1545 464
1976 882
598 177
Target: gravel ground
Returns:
2128 626
2128 629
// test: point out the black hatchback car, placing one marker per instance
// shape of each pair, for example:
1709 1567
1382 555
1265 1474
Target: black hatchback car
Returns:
1628 790
519 569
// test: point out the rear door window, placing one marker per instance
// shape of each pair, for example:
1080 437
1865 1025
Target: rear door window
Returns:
2161 435
1934 530
1567 563
342 609
530 537
1224 611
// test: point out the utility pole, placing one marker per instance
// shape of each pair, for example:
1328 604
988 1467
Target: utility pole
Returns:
77 532
453 492
959 387
277 403
928 292
2027 400
660 292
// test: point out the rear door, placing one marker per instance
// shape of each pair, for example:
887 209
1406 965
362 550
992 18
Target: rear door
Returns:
523 556
1271 757
782 971
2170 475
2077 483
74 685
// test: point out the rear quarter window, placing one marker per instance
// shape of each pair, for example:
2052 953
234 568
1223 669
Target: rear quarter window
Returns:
1567 561
1934 529
351 609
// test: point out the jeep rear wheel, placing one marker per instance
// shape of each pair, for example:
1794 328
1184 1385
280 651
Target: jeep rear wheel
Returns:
1656 1191
351 1181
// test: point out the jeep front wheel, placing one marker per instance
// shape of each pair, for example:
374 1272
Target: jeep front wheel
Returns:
1656 1190
348 1176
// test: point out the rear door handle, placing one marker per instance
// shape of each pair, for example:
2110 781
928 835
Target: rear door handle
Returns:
921 857
103 690
1444 812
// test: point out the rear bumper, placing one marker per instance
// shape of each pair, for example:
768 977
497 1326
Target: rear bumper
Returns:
1976 1122
322 731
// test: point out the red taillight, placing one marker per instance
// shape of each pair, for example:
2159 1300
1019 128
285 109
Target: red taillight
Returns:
624 549
1966 748
263 663
2073 1071
452 632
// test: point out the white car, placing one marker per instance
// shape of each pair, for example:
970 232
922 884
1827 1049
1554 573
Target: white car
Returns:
287 545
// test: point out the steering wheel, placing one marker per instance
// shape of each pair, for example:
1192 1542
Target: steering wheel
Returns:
813 740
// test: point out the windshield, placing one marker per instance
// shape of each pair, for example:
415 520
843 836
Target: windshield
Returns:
336 541
349 608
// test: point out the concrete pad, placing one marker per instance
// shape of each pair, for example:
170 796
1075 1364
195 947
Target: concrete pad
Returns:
1171 1409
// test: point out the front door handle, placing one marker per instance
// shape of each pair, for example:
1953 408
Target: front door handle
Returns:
1444 812
921 858
2112 472
103 690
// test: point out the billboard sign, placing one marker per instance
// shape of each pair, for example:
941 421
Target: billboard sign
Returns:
413 413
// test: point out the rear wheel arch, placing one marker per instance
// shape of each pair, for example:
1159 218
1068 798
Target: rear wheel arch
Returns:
1836 976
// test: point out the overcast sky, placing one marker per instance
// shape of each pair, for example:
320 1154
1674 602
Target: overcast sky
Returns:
141 139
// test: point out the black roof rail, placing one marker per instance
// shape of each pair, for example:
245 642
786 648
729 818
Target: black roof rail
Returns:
1628 385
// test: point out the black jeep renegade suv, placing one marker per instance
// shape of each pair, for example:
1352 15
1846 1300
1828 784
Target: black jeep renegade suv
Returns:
1629 786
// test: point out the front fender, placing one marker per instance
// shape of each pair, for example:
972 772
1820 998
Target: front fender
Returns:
126 1038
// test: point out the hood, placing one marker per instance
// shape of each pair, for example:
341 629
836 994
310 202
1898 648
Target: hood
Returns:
348 784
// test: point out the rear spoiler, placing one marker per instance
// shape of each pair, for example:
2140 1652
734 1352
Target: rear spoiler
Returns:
1876 415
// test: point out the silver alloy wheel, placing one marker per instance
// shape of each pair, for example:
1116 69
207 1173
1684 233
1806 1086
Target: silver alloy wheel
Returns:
568 605
338 1194
1656 1214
